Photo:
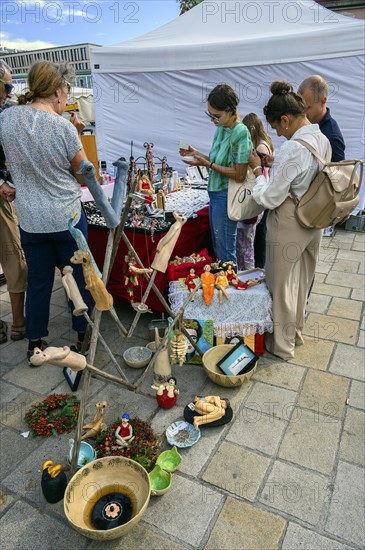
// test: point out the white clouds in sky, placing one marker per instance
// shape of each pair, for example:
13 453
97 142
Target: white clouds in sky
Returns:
23 43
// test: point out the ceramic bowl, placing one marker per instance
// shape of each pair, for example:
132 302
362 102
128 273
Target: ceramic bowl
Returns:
101 477
152 346
182 434
87 453
169 460
210 360
137 357
160 481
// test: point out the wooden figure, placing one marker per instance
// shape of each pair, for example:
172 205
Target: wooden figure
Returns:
96 287
210 408
221 283
167 244
97 424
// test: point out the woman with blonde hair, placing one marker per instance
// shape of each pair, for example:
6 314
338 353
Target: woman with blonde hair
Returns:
44 152
251 234
291 250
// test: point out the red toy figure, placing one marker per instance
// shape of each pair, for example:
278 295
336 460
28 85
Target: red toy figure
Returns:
166 395
145 187
233 279
189 281
131 275
124 432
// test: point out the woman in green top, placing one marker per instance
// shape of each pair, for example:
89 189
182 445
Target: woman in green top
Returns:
228 158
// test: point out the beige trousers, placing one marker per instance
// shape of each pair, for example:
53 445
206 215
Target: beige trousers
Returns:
12 257
291 257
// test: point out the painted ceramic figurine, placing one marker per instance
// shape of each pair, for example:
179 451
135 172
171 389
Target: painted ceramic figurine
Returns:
96 287
208 282
97 424
54 481
189 281
166 395
233 279
131 275
124 432
178 347
221 283
162 366
145 187
210 408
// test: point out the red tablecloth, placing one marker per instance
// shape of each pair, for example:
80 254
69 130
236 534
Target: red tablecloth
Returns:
194 236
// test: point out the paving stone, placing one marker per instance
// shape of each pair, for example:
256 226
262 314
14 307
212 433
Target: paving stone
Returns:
314 353
348 361
357 294
25 477
342 279
331 328
330 290
323 266
139 538
295 491
311 440
324 393
32 527
187 509
12 413
361 339
318 303
352 447
320 278
259 432
362 326
357 395
358 246
6 500
347 266
342 307
346 513
5 309
14 449
241 525
271 400
8 392
10 357
280 374
300 538
40 379
229 467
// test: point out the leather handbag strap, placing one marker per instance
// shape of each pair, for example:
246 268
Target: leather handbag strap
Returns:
314 152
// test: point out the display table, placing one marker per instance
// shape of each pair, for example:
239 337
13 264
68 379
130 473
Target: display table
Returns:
246 312
194 236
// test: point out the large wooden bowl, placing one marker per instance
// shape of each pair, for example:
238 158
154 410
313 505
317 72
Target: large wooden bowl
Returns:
210 360
95 480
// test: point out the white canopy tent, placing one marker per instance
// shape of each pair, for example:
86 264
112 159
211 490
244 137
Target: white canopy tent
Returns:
153 88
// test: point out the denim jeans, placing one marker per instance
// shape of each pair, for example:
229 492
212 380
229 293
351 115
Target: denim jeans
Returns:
224 230
43 251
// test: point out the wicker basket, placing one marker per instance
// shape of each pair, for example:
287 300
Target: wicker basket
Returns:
210 360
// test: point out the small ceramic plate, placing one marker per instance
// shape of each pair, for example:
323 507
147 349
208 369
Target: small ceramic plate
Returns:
182 434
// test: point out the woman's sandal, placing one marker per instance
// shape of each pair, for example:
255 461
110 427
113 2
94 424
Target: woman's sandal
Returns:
3 332
17 333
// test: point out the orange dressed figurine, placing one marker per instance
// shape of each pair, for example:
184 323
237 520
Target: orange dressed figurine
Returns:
208 282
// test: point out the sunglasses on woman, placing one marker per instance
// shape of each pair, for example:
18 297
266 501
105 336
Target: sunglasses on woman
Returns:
8 87
216 118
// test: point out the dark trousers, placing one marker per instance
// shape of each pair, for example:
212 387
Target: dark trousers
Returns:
43 252
260 242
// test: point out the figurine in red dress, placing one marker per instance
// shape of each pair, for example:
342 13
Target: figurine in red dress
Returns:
189 281
233 279
131 275
145 187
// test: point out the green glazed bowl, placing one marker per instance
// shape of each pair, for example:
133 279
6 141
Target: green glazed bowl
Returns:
160 481
169 460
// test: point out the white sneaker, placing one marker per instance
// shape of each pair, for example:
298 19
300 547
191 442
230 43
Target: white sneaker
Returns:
328 232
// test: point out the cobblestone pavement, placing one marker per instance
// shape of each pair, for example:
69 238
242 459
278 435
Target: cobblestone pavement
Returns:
286 473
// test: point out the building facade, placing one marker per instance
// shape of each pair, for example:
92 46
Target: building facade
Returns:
77 55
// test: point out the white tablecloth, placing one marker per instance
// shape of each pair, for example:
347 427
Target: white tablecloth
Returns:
247 312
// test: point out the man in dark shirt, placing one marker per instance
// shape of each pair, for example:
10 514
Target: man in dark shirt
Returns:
314 91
